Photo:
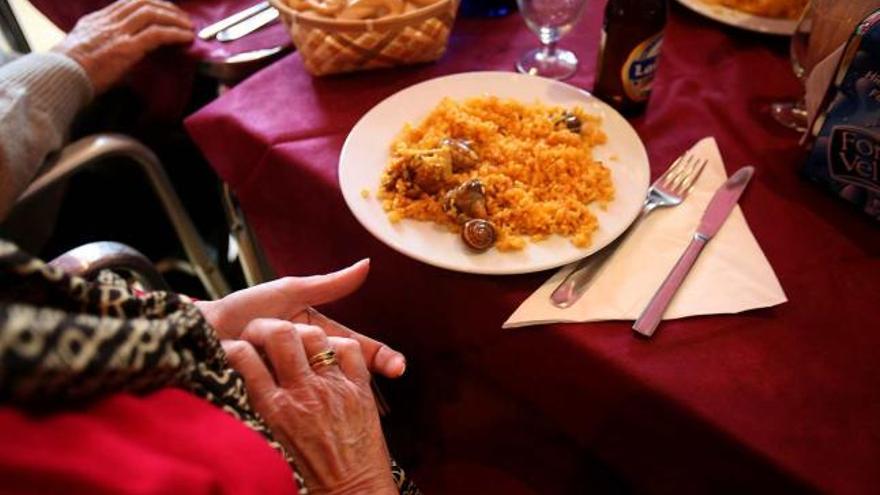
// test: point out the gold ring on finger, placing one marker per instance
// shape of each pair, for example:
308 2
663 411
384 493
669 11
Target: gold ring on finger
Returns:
326 357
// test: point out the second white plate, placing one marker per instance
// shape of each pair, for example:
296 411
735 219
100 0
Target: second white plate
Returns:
365 155
743 20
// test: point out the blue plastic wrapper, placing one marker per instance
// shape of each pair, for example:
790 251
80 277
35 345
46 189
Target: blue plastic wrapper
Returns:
846 147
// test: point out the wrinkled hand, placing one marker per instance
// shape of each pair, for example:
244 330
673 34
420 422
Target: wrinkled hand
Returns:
291 298
109 42
326 415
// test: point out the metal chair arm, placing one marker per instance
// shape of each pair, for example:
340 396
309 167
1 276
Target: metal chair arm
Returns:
90 150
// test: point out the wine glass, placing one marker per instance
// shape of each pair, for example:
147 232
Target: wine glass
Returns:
550 20
793 114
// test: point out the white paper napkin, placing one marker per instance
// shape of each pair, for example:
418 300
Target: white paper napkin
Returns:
732 275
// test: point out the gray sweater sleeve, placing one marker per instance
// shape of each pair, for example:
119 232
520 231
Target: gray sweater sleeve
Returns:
40 94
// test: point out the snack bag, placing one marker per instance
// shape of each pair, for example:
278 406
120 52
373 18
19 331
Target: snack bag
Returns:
846 134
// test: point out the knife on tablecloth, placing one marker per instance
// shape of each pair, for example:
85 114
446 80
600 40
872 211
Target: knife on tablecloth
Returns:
719 209
209 32
248 26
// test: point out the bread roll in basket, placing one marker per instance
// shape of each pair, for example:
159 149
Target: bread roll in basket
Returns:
330 45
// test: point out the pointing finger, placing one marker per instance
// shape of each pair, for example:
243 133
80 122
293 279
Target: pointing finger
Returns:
320 289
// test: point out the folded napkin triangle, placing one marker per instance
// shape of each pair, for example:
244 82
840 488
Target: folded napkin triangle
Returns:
732 275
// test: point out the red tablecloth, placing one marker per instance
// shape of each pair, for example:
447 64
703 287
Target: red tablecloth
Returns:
781 399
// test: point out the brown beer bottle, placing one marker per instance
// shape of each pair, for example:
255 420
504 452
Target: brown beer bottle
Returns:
630 48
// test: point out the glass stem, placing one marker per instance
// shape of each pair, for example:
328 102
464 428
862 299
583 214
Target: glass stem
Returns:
550 49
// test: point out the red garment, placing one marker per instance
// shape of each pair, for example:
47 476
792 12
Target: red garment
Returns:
168 442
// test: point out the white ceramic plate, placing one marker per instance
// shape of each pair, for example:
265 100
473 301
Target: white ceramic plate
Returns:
743 20
366 153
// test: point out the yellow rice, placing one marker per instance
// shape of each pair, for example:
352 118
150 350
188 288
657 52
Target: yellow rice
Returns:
540 178
786 9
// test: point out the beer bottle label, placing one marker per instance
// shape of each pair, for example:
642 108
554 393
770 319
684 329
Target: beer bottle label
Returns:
637 73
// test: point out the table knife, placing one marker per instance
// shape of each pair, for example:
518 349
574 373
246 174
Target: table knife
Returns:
716 213
249 25
208 32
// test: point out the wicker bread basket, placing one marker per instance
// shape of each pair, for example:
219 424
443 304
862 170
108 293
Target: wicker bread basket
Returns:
329 46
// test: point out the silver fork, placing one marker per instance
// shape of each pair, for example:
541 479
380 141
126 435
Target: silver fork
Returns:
669 189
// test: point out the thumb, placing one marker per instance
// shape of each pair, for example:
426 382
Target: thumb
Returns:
320 289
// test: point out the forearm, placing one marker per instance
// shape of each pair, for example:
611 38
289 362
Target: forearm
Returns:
40 94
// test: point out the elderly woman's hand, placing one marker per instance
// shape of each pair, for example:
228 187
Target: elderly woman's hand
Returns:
291 298
109 42
324 412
